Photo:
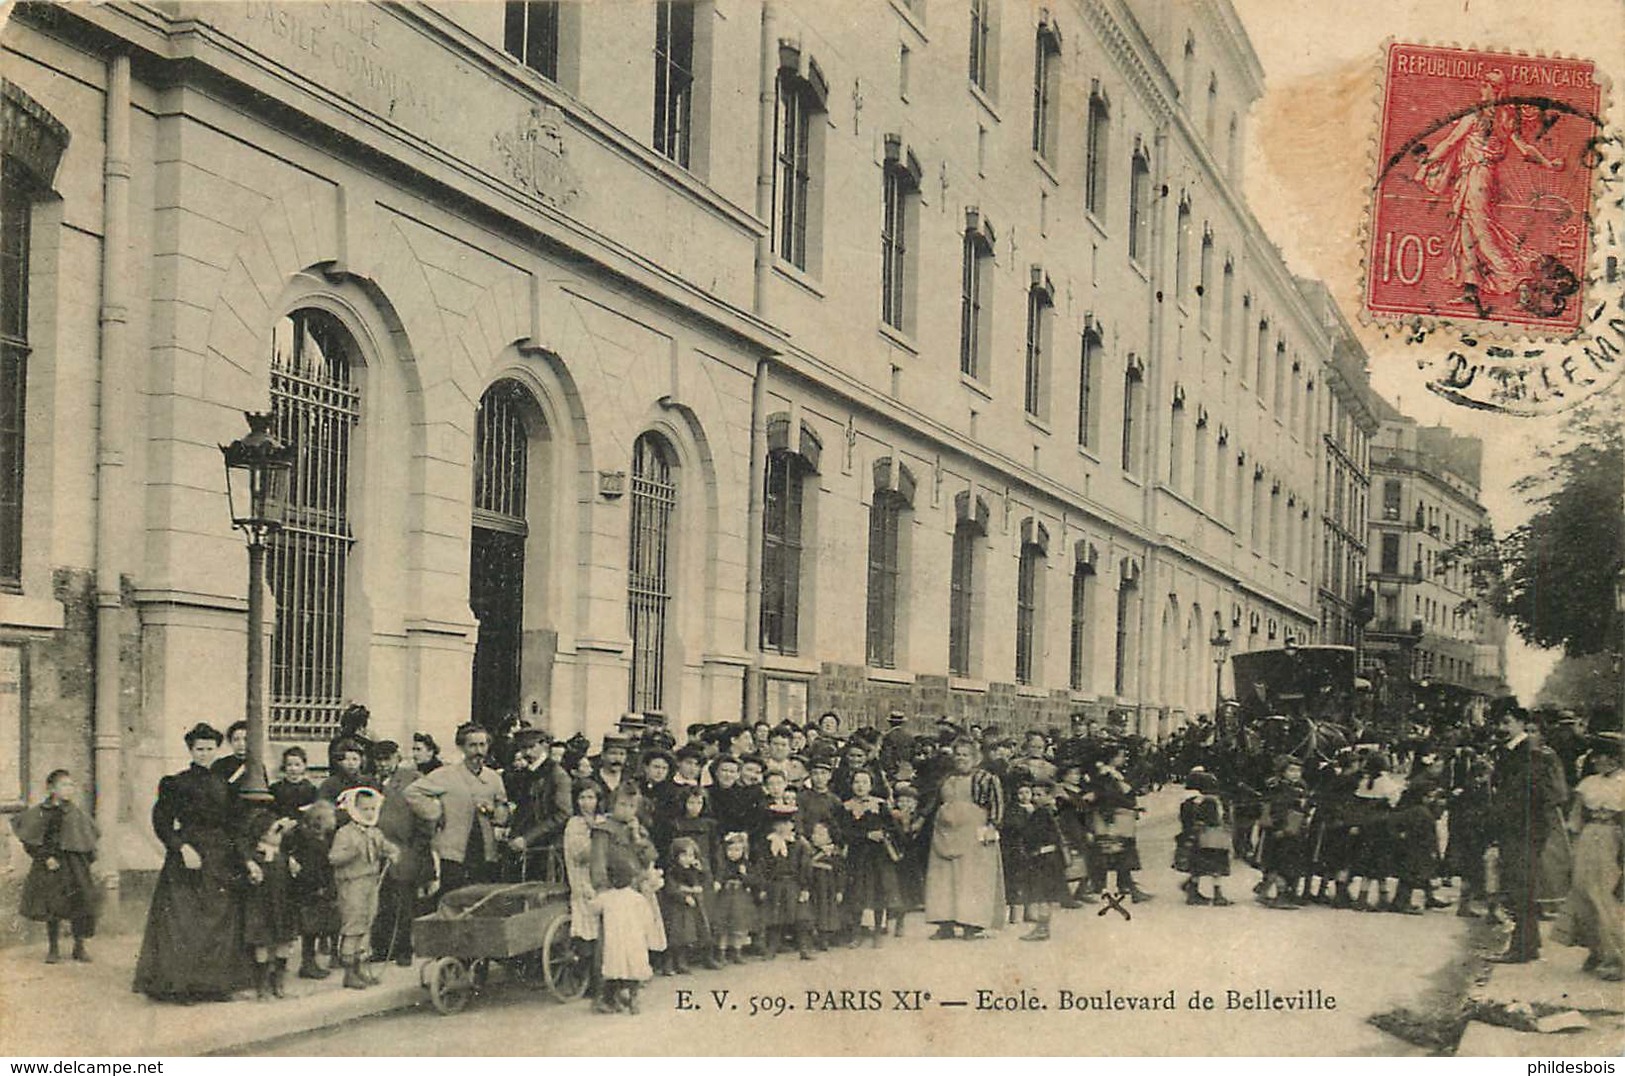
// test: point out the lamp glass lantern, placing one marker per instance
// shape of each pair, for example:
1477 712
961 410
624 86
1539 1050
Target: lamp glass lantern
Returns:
258 468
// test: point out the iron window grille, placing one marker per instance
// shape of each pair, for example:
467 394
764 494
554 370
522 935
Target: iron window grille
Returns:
317 406
654 498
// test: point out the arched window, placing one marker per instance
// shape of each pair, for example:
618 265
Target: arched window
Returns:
317 406
654 499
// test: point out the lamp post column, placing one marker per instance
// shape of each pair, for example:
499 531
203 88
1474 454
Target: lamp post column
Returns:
254 705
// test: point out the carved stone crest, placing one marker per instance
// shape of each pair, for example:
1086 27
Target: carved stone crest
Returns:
534 155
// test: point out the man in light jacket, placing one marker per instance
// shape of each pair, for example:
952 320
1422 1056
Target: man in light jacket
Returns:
466 802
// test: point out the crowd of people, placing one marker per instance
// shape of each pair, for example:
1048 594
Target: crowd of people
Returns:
1360 827
743 842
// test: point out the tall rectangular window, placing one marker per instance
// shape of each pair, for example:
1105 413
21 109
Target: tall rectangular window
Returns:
1390 554
1199 487
1039 299
981 42
1261 357
1204 285
674 79
1027 580
1088 388
1220 480
530 34
1079 672
1391 499
1125 599
1095 153
1227 306
1176 445
16 212
792 175
1182 245
1139 208
897 192
962 597
1131 406
781 552
885 521
975 285
1046 89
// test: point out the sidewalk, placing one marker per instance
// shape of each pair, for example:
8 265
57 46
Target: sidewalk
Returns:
1553 984
90 1010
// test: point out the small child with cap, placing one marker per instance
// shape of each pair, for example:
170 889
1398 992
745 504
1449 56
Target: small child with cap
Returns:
360 855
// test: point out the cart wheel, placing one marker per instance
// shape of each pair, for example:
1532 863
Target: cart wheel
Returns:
563 968
450 986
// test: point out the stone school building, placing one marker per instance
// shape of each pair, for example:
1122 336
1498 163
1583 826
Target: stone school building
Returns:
708 359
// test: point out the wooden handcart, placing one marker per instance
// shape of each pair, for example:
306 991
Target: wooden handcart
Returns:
522 928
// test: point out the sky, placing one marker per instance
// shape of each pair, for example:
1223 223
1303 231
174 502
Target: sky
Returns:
1309 173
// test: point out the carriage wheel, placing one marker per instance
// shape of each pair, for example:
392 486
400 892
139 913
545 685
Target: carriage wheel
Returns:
564 970
450 985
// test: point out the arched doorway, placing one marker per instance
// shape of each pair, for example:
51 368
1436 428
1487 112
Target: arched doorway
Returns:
504 425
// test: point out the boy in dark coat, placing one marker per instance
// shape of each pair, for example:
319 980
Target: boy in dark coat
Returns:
783 865
60 839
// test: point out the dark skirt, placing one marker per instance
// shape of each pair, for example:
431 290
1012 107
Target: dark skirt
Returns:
871 879
782 905
685 923
734 910
823 909
1286 855
270 916
68 892
1115 854
1210 862
1045 878
193 945
1371 851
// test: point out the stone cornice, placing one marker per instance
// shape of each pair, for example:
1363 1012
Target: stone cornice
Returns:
1221 20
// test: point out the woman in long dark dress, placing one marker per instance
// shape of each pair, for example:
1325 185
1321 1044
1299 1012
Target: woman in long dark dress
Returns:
192 949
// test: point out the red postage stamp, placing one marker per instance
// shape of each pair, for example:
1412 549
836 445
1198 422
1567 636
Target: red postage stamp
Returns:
1482 206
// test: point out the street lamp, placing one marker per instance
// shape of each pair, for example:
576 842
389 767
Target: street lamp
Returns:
1221 652
257 471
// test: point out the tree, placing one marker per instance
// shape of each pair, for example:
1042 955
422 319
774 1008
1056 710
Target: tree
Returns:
1560 567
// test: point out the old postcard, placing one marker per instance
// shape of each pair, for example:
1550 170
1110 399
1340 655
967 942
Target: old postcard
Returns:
811 527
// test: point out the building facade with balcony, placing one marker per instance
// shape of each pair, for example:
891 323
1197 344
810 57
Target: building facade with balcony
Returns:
706 359
1430 625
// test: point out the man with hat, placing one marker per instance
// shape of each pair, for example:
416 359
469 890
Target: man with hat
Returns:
897 744
540 792
610 763
1529 792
